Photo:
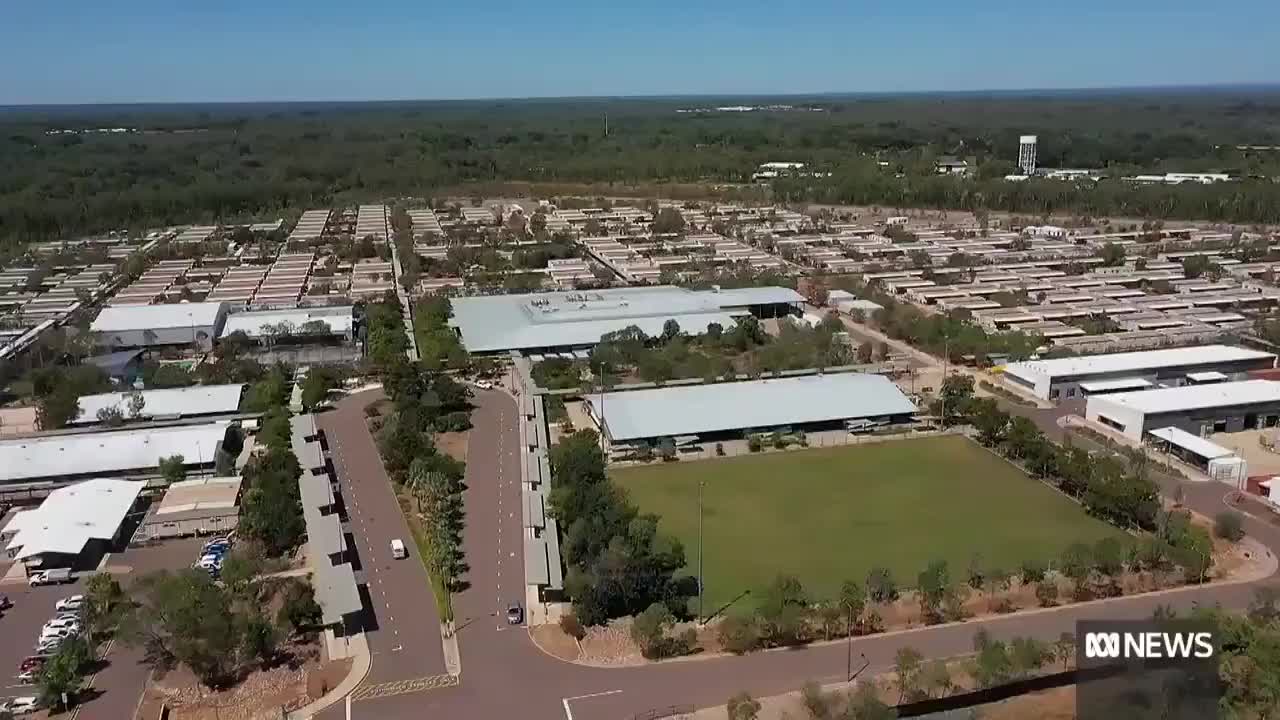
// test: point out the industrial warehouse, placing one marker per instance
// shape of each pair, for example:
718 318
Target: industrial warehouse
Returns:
1072 377
569 320
1197 409
701 413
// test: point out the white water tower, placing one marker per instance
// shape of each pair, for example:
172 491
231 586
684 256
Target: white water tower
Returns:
1027 154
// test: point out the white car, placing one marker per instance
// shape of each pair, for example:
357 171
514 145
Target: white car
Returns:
24 705
72 603
484 384
49 646
28 677
61 623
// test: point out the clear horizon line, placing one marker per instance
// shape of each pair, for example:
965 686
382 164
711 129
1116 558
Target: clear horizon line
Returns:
673 96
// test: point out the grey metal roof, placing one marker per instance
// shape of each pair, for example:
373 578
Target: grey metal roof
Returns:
336 591
72 516
309 454
1133 361
1185 440
166 402
536 571
324 532
107 452
579 318
153 317
694 409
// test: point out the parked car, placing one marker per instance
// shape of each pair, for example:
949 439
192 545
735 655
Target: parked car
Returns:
32 662
515 614
220 548
28 677
50 577
484 384
5 602
49 646
225 540
60 623
24 705
73 603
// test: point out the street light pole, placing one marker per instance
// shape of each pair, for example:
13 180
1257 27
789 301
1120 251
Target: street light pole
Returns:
701 485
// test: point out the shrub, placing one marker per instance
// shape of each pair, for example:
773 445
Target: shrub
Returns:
371 411
572 627
1046 593
720 449
779 441
1229 525
739 635
754 444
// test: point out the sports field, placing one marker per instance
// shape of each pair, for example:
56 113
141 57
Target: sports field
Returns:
830 514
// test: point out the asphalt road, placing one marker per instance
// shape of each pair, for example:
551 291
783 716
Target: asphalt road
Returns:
405 639
505 675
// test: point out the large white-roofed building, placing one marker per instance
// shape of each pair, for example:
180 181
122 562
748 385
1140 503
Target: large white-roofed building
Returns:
165 403
727 410
1071 377
294 325
129 326
577 319
1196 409
70 521
69 456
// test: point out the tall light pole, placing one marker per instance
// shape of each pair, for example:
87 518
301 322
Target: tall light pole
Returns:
701 484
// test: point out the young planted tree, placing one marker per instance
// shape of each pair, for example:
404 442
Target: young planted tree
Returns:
906 665
881 587
852 601
742 707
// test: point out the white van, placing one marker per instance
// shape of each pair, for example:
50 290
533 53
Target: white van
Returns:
397 549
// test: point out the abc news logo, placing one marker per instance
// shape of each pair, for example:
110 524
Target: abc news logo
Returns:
1148 645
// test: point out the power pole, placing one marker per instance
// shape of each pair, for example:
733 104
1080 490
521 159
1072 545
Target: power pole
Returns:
701 485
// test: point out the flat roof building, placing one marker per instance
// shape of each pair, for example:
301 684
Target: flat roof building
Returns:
195 507
296 324
577 319
66 457
1196 409
166 403
736 407
69 520
1062 378
125 326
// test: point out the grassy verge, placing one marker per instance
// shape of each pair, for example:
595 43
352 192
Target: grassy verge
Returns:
444 600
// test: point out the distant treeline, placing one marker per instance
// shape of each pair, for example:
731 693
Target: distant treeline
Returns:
223 163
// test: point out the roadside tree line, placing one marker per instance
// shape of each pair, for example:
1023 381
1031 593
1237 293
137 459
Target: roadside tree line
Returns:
424 401
618 562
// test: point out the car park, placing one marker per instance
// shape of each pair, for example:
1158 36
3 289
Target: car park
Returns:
71 603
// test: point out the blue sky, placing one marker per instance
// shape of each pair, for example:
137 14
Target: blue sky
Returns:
75 51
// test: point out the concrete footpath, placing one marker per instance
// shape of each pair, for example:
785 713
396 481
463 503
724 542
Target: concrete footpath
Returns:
361 662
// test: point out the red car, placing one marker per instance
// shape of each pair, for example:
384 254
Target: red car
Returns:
35 662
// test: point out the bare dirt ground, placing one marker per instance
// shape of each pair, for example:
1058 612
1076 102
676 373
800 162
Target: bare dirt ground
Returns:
260 696
453 444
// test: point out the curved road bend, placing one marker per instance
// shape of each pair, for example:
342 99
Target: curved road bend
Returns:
505 676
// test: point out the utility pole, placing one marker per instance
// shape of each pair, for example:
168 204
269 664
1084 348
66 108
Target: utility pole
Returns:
701 485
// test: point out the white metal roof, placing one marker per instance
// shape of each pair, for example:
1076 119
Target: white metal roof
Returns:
558 319
72 516
1117 384
693 409
122 318
1210 376
339 319
1196 397
166 402
1196 445
107 452
1134 361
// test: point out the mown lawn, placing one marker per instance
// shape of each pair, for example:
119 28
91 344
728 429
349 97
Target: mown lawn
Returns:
830 514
